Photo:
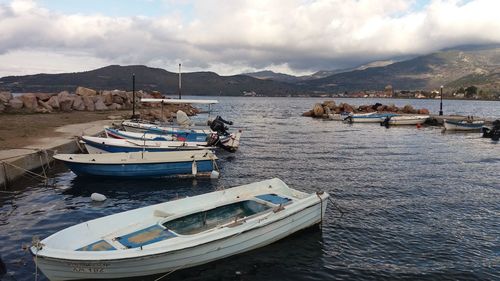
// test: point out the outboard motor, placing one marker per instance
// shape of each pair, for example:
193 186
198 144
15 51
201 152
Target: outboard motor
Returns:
217 125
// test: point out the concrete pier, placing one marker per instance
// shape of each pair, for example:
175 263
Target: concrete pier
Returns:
15 163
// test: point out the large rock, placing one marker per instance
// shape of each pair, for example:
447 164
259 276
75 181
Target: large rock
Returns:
309 113
114 106
65 101
16 103
318 110
45 105
409 109
29 101
156 95
78 103
99 104
2 107
85 92
118 99
107 97
53 102
330 104
346 107
89 103
43 96
424 111
5 97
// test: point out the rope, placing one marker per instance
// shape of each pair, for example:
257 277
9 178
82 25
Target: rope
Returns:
319 193
337 207
27 171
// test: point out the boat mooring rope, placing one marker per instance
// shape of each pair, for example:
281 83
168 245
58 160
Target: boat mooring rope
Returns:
319 193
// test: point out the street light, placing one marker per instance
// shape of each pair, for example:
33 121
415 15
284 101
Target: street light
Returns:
441 105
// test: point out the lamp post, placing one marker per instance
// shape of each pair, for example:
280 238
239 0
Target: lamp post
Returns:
180 81
441 104
133 95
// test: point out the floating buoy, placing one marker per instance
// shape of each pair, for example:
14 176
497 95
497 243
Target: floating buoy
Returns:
194 168
97 197
214 174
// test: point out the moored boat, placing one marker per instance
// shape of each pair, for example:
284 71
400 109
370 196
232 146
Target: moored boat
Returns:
368 117
404 120
179 234
463 125
111 145
141 164
188 134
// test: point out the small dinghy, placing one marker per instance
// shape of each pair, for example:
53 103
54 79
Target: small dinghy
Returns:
178 133
141 164
179 234
368 117
404 120
109 145
463 125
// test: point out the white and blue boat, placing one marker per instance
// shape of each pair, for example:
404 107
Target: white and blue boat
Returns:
463 125
186 134
368 117
109 145
141 164
179 234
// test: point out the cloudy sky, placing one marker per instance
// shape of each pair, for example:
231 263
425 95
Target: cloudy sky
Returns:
233 36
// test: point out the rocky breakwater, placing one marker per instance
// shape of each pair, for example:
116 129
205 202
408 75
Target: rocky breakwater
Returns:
85 99
322 110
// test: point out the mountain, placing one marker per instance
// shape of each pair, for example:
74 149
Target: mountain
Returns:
423 72
271 75
149 79
453 68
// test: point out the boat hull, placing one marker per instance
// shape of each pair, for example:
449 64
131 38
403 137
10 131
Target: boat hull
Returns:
100 147
140 170
56 269
462 126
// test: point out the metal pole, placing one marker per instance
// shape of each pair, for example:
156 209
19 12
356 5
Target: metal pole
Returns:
180 85
133 95
441 104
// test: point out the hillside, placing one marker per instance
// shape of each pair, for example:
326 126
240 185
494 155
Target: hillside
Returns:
423 72
147 78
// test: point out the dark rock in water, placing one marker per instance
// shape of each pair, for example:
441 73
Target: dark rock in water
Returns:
375 106
3 268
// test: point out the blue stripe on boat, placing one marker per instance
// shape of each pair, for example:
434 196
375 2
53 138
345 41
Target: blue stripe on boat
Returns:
273 198
145 236
465 124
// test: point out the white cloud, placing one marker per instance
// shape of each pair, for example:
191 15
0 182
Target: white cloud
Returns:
235 36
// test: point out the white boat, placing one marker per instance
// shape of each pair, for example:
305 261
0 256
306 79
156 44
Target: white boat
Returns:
405 120
141 164
179 234
368 117
140 127
463 125
110 145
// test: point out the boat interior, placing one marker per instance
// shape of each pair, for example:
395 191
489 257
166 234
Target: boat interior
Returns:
229 215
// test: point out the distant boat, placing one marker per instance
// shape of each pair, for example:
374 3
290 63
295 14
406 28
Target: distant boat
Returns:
404 120
141 164
179 234
111 145
368 117
463 125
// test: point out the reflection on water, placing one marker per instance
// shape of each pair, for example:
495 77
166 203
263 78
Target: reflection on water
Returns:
418 204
